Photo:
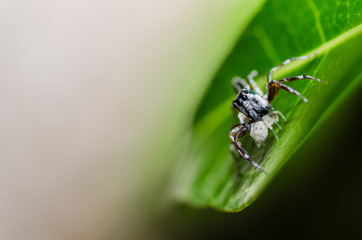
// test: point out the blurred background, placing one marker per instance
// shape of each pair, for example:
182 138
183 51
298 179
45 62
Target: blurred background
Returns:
86 87
95 94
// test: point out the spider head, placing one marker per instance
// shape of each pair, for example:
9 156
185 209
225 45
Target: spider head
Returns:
243 103
251 104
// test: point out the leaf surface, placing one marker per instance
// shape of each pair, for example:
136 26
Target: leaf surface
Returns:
206 174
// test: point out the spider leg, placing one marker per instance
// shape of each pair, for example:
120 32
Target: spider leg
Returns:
279 113
242 118
239 84
301 77
233 150
235 134
253 84
236 159
270 77
278 126
274 87
275 135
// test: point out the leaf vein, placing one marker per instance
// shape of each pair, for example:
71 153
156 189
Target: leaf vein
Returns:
317 17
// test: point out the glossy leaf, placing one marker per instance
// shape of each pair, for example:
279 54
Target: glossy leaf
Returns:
329 31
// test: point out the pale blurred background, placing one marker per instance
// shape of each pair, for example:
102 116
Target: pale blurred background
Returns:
88 89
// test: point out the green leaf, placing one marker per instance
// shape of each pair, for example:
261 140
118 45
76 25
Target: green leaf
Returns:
206 174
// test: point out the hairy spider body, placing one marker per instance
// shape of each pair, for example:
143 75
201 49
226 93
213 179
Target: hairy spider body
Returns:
256 115
251 104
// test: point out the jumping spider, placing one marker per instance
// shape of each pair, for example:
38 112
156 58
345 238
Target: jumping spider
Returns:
255 112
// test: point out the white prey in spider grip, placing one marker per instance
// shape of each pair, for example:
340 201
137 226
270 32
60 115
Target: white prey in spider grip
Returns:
256 115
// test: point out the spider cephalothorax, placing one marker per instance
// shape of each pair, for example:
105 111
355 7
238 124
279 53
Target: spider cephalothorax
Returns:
255 112
251 104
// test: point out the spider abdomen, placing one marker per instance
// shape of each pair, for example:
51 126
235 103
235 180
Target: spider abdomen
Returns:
259 132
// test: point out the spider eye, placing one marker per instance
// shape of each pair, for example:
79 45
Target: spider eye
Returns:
243 97
235 104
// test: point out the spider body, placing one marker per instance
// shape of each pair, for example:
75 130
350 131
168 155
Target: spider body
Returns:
251 104
256 115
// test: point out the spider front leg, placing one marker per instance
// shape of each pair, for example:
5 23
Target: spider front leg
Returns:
300 77
239 84
274 86
270 77
253 84
237 132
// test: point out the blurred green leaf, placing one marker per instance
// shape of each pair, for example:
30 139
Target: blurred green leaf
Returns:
206 174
